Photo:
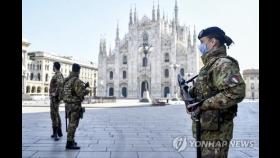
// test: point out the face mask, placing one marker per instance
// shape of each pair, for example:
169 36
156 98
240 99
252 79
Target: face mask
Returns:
202 48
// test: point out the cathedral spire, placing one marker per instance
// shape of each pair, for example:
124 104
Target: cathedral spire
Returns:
130 17
174 28
194 37
189 38
110 52
117 32
117 35
176 13
158 12
135 15
153 13
100 47
104 47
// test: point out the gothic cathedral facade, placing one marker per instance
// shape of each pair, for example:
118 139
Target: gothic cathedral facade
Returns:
127 70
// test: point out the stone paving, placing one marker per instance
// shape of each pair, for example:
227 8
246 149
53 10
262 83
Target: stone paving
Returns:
130 132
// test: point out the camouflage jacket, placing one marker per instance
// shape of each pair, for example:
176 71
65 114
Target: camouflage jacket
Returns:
219 79
56 84
220 83
74 89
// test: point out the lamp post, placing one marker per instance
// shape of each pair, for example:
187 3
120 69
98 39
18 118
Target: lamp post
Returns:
145 48
175 66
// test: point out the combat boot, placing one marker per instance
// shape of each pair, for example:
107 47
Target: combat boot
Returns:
54 135
72 145
53 132
59 132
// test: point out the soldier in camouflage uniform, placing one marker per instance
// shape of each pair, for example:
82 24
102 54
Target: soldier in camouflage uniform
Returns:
74 91
219 87
54 92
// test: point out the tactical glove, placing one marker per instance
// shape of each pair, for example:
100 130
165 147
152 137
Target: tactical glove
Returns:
193 107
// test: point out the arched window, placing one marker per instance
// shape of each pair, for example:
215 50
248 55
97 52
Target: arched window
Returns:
145 62
166 57
31 76
124 74
46 90
33 89
38 89
111 75
252 86
28 89
182 71
47 77
166 73
39 77
145 37
124 60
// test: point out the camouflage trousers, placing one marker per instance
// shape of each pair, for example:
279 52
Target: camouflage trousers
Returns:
215 152
54 111
73 111
221 136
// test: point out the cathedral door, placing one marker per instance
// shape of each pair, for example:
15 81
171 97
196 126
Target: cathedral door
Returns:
111 92
124 92
144 85
166 91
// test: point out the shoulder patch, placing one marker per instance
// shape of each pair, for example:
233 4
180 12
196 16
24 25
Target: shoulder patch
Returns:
234 79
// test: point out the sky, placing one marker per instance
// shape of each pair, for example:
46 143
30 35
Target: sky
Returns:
74 27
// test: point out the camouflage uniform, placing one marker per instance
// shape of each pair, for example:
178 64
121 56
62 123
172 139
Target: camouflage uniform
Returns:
221 82
74 92
56 85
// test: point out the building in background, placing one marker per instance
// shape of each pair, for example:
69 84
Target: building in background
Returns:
40 71
25 45
251 78
125 70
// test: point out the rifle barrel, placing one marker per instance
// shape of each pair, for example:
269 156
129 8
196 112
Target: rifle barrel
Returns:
190 80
